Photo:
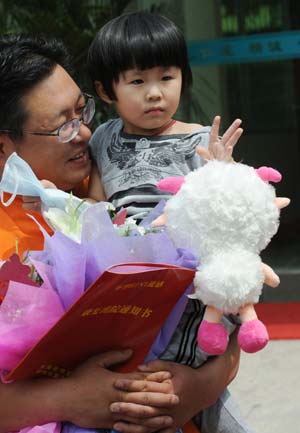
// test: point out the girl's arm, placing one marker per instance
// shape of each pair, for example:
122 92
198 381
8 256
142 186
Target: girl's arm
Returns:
95 190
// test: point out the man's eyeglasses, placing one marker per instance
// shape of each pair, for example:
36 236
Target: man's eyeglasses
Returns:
68 130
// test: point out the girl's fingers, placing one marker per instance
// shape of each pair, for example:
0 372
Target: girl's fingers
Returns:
203 153
142 385
221 148
156 399
231 131
215 127
234 138
159 376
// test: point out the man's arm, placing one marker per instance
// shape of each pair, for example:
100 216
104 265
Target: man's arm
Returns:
197 389
83 398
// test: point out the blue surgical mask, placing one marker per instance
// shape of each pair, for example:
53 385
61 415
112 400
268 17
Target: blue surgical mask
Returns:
19 179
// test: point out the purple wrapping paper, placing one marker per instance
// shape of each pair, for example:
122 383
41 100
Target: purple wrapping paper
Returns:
67 269
103 246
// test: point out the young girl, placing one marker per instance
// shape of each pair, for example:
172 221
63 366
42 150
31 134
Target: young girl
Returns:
139 63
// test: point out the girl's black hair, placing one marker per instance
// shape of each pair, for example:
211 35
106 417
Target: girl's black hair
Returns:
139 40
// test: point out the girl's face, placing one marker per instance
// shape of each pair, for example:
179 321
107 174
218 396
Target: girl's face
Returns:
147 99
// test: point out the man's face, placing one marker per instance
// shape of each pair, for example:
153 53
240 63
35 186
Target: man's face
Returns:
51 103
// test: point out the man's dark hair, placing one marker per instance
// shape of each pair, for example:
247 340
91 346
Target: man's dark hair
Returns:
24 62
139 40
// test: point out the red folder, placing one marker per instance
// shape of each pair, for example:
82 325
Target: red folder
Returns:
124 308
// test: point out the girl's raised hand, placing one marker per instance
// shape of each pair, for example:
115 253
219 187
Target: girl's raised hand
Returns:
221 147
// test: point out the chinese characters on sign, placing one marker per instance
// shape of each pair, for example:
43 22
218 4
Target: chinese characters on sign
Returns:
261 47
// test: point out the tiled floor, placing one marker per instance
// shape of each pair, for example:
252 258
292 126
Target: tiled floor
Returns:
268 383
268 388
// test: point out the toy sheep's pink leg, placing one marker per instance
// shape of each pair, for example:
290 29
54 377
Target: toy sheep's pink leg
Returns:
253 335
212 336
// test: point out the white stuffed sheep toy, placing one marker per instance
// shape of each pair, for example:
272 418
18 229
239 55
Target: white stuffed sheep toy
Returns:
226 214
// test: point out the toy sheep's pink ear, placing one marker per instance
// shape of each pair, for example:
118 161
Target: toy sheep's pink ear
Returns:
170 184
269 174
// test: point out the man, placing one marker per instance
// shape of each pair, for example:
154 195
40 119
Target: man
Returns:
44 118
33 84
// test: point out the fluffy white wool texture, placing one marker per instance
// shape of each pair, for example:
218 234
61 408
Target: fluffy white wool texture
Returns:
225 214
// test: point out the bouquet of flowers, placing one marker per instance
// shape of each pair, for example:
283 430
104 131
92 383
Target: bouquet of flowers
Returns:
86 241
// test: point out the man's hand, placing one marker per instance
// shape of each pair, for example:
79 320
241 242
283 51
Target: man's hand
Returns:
221 148
183 383
34 204
93 392
84 398
197 389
